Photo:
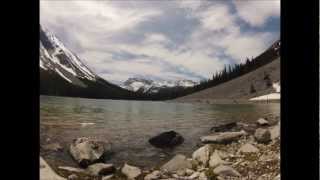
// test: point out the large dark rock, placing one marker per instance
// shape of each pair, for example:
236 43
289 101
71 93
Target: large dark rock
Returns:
167 139
225 127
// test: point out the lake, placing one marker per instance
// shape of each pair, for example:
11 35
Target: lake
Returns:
129 125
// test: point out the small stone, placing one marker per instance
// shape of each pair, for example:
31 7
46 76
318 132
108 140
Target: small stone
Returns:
73 177
262 122
131 172
181 172
194 175
248 148
262 135
202 154
153 176
223 170
107 177
100 169
189 172
203 176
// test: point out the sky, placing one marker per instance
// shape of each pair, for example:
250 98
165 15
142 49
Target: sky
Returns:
168 39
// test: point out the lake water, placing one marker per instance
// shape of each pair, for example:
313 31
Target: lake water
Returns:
129 125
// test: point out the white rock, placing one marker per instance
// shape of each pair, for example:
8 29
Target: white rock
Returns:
153 176
225 137
46 173
189 172
107 177
248 148
203 176
72 169
262 135
131 172
202 154
223 170
194 175
73 177
176 163
215 160
262 122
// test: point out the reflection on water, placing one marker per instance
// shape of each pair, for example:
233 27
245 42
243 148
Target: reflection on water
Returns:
129 124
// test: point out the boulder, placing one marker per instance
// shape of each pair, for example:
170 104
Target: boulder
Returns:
87 151
176 163
262 122
131 172
202 155
100 169
167 139
225 137
153 176
224 171
215 160
262 135
248 148
224 127
275 131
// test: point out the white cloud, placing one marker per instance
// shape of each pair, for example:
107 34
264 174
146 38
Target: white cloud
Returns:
256 13
103 28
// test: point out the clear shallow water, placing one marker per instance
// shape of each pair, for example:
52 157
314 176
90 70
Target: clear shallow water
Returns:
129 125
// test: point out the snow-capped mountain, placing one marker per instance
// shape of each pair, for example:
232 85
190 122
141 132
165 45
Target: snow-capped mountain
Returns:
63 73
54 56
153 86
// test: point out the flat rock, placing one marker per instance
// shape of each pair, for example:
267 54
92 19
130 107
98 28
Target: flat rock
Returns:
223 138
153 176
177 162
72 169
167 139
99 169
262 135
131 172
248 148
215 160
202 154
87 151
46 172
223 170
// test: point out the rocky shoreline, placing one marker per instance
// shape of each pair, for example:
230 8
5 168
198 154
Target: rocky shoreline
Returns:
234 151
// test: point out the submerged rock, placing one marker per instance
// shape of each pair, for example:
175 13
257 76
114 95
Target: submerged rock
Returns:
225 137
87 151
176 163
167 139
224 127
262 135
131 172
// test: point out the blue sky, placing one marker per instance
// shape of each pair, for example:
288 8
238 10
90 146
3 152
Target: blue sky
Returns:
169 39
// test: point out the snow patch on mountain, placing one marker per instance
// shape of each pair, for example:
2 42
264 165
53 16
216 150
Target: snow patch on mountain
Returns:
56 57
153 86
